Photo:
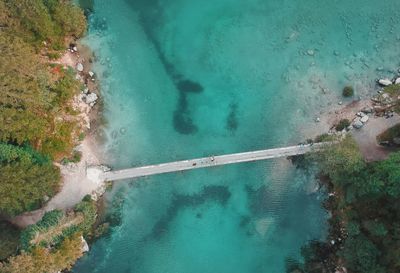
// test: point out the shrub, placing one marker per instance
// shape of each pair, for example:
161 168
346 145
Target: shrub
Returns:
325 138
50 219
348 91
9 240
89 210
26 154
53 55
343 124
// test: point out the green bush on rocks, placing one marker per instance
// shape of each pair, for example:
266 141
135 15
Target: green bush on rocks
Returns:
348 91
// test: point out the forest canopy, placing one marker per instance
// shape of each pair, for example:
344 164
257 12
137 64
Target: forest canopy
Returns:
35 99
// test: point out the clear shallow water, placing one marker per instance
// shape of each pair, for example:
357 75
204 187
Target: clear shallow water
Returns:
183 79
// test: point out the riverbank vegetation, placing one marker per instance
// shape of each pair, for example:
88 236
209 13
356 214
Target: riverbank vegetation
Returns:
35 101
37 128
364 201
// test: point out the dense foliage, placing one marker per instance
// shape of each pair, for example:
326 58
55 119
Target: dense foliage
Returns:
9 240
26 178
50 219
366 212
37 127
88 208
35 99
44 260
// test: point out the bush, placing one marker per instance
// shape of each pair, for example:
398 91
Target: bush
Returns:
343 124
89 210
9 240
50 219
348 91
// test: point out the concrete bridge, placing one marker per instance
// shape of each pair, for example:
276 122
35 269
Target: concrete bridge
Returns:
204 162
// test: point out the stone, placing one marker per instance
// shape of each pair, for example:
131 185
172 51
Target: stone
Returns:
317 120
358 124
364 119
79 67
397 81
367 110
86 90
385 82
340 102
85 246
75 48
310 52
91 98
360 114
91 74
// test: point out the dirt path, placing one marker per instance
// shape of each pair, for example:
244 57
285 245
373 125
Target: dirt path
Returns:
366 137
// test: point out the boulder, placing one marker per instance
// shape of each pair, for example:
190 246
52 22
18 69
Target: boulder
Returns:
367 110
397 81
358 124
75 48
360 114
85 246
364 119
91 74
79 67
91 98
385 82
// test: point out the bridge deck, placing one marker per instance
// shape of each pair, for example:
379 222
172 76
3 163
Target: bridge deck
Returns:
210 161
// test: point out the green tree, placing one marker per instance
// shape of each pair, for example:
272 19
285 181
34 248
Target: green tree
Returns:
23 186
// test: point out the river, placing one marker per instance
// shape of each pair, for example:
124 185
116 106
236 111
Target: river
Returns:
190 78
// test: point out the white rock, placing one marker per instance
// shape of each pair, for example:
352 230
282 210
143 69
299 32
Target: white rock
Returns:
75 48
364 119
91 98
79 67
385 82
333 242
86 90
360 114
397 81
91 74
85 246
317 120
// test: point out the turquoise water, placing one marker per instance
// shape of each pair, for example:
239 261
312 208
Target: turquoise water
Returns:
189 78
